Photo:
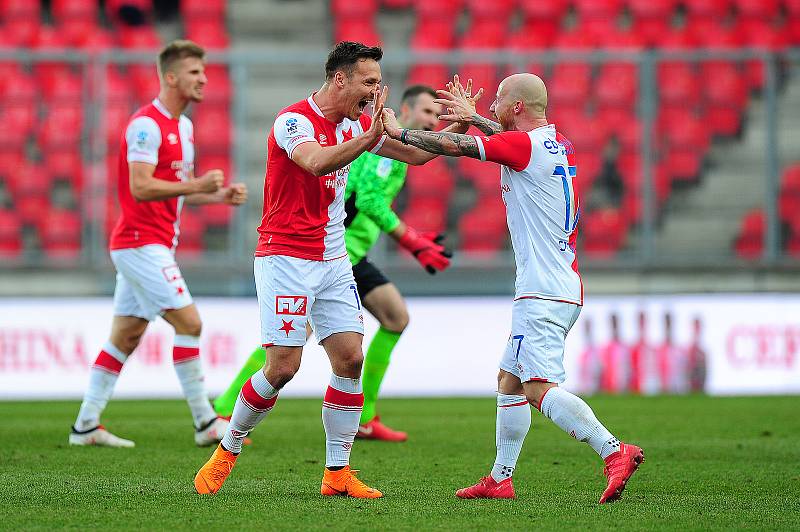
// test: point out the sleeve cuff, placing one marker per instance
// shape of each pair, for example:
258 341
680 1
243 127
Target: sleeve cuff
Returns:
296 143
376 148
481 149
142 158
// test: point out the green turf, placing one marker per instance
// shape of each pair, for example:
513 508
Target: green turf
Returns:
710 463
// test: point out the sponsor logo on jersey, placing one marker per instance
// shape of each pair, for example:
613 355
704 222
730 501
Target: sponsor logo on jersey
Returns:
141 139
384 167
172 138
323 139
291 126
291 305
287 327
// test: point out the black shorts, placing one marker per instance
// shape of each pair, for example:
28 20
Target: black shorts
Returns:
368 276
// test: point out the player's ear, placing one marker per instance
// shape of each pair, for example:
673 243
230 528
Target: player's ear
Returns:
339 78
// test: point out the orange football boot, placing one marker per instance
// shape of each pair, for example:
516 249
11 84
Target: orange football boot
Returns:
620 467
213 474
344 482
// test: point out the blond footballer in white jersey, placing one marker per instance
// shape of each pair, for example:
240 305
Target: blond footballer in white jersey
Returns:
538 187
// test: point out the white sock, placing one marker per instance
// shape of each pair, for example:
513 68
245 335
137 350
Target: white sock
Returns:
186 359
341 412
574 416
255 401
513 423
102 378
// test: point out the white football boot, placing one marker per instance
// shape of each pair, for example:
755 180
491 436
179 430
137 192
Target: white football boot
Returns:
211 433
98 436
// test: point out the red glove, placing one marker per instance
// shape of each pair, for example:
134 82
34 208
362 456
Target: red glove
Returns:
427 249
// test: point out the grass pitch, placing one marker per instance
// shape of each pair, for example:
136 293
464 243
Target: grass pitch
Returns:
711 463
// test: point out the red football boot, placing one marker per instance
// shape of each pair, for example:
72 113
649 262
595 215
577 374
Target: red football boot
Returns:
620 467
375 430
488 488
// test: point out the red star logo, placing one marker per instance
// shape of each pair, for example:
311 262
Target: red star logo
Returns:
180 290
287 326
347 135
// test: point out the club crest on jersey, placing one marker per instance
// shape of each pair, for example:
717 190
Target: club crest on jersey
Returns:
291 305
172 138
172 273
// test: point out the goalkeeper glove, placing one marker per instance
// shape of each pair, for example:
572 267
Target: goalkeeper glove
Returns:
427 248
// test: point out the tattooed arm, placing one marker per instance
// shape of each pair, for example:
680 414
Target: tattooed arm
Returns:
487 127
452 144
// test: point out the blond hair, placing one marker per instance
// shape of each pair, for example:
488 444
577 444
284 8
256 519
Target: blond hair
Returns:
175 51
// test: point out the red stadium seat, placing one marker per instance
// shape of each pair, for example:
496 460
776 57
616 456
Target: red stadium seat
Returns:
763 9
484 176
397 4
615 118
426 214
718 9
203 8
66 9
575 40
20 8
354 8
60 235
431 179
570 86
673 39
537 10
62 128
678 84
210 33
652 8
22 32
361 30
589 10
433 34
124 12
192 234
448 9
145 83
139 38
588 136
749 243
589 165
617 86
434 75
483 230
485 34
725 85
11 162
614 39
212 161
212 128
603 233
10 235
497 9
18 121
98 40
216 214
218 88
30 180
117 86
30 209
50 38
65 165
62 88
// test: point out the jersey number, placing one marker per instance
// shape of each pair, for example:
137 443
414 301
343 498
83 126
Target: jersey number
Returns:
572 211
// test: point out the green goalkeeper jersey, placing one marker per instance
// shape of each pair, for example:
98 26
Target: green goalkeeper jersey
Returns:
372 185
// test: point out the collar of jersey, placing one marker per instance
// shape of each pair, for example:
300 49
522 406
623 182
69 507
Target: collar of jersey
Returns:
317 110
162 109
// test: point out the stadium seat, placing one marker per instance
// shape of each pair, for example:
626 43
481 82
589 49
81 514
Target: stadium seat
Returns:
62 128
63 87
431 179
397 4
218 89
433 34
144 80
592 10
724 85
30 209
212 128
21 32
208 31
602 233
139 38
617 86
115 119
123 13
191 241
718 9
361 30
60 235
18 120
484 176
65 165
99 40
570 86
66 9
588 136
18 87
443 9
426 214
673 39
50 38
435 75
757 9
354 8
483 230
749 243
485 34
499 10
615 39
678 84
203 8
550 11
10 235
789 199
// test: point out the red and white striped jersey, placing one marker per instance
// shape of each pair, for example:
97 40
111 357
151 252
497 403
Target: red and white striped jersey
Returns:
304 214
155 137
537 180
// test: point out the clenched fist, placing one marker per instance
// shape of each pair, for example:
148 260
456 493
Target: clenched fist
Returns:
235 194
210 182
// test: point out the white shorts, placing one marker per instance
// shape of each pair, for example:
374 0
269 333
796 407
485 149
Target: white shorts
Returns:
535 349
291 291
149 282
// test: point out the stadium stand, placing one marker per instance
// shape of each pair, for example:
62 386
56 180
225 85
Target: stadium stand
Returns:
47 135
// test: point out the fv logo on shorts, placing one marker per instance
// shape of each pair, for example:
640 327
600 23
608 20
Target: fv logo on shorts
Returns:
291 305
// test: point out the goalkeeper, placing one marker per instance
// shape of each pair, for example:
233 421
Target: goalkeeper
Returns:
372 186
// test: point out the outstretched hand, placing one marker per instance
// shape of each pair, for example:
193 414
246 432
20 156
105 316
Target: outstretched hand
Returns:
378 101
390 124
459 101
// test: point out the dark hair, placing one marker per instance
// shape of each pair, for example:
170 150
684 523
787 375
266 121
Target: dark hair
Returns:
346 54
411 93
175 51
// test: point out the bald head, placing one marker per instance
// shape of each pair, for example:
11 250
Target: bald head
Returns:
528 89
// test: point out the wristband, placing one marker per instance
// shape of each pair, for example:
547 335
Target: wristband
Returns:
403 136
